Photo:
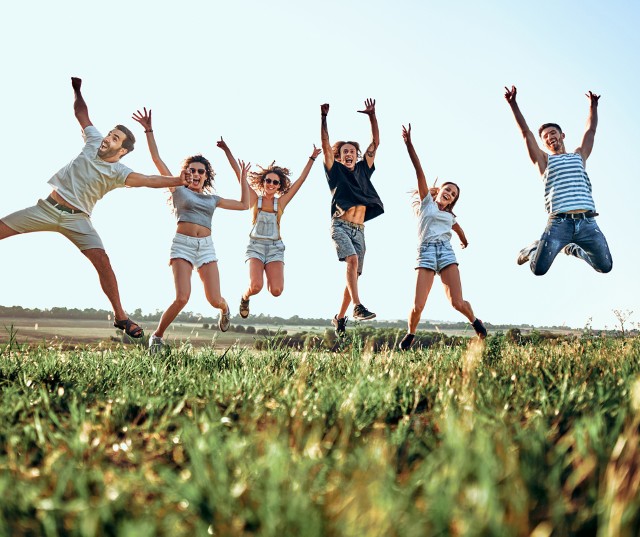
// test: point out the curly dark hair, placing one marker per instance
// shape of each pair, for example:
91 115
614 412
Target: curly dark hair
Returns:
338 146
256 179
208 182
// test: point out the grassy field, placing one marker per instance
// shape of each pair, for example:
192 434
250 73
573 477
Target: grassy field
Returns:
474 440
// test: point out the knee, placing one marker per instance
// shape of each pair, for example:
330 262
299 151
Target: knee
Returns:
459 304
417 309
607 268
181 300
539 270
255 287
276 291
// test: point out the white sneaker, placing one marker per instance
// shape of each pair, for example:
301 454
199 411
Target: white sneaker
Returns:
526 253
155 344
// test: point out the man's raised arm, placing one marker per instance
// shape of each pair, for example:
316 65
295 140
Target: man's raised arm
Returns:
537 156
324 137
79 106
592 123
370 110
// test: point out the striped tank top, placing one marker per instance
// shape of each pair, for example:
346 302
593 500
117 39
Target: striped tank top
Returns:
566 184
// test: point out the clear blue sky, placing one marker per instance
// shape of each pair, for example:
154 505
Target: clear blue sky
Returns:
256 73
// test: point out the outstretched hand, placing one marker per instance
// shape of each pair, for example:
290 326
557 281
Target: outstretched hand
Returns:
222 144
143 118
324 109
185 177
369 107
593 98
76 83
316 152
510 94
406 134
244 169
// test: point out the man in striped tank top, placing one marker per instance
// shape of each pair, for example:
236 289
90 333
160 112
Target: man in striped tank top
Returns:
571 227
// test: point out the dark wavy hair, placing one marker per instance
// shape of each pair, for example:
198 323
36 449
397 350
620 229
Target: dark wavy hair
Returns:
546 126
256 179
338 146
208 182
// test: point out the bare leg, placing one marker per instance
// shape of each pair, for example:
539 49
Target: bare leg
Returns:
108 282
351 292
275 277
424 282
450 277
6 231
256 278
182 278
346 300
210 277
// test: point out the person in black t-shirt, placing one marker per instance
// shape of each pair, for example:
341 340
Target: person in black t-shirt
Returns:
354 201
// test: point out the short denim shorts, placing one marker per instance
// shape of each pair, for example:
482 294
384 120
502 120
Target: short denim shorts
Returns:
348 239
436 256
45 217
196 250
265 250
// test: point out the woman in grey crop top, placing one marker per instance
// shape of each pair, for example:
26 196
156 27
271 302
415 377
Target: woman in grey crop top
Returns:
192 246
271 191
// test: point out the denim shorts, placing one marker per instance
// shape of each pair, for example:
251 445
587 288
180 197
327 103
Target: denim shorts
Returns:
45 217
436 256
348 239
196 250
265 250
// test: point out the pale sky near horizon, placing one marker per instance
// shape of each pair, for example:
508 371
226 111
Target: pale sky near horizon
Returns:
256 74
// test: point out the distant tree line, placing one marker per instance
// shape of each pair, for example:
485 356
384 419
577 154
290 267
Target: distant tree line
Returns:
260 319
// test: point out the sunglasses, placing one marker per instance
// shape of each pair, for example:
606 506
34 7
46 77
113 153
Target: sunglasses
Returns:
275 182
200 171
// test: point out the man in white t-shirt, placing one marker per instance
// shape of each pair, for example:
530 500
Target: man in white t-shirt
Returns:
76 189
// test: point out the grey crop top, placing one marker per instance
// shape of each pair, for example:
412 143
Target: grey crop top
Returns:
194 207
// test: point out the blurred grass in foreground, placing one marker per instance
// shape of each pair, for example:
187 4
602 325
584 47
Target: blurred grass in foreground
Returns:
485 439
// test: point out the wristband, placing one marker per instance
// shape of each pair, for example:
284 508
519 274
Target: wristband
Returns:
150 130
312 158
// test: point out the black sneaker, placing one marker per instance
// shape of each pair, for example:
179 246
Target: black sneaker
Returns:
340 325
360 313
244 308
406 342
479 328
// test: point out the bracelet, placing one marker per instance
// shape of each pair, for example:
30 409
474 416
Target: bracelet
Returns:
150 130
312 158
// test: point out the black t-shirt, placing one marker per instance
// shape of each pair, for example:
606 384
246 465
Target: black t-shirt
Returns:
351 188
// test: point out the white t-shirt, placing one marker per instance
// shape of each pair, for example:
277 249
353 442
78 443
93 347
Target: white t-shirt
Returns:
434 224
87 177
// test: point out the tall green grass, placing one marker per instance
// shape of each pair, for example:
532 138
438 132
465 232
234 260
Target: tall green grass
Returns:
480 439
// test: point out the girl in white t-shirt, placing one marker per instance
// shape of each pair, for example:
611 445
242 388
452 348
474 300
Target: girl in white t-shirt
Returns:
435 254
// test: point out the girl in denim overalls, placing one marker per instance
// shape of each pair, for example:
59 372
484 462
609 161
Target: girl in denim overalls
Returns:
435 255
271 190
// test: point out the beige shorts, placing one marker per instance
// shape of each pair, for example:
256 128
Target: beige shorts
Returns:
45 217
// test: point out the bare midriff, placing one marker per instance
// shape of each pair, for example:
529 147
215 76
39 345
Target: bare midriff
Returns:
355 214
575 211
193 230
61 201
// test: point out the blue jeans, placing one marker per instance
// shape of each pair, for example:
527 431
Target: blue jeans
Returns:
591 245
